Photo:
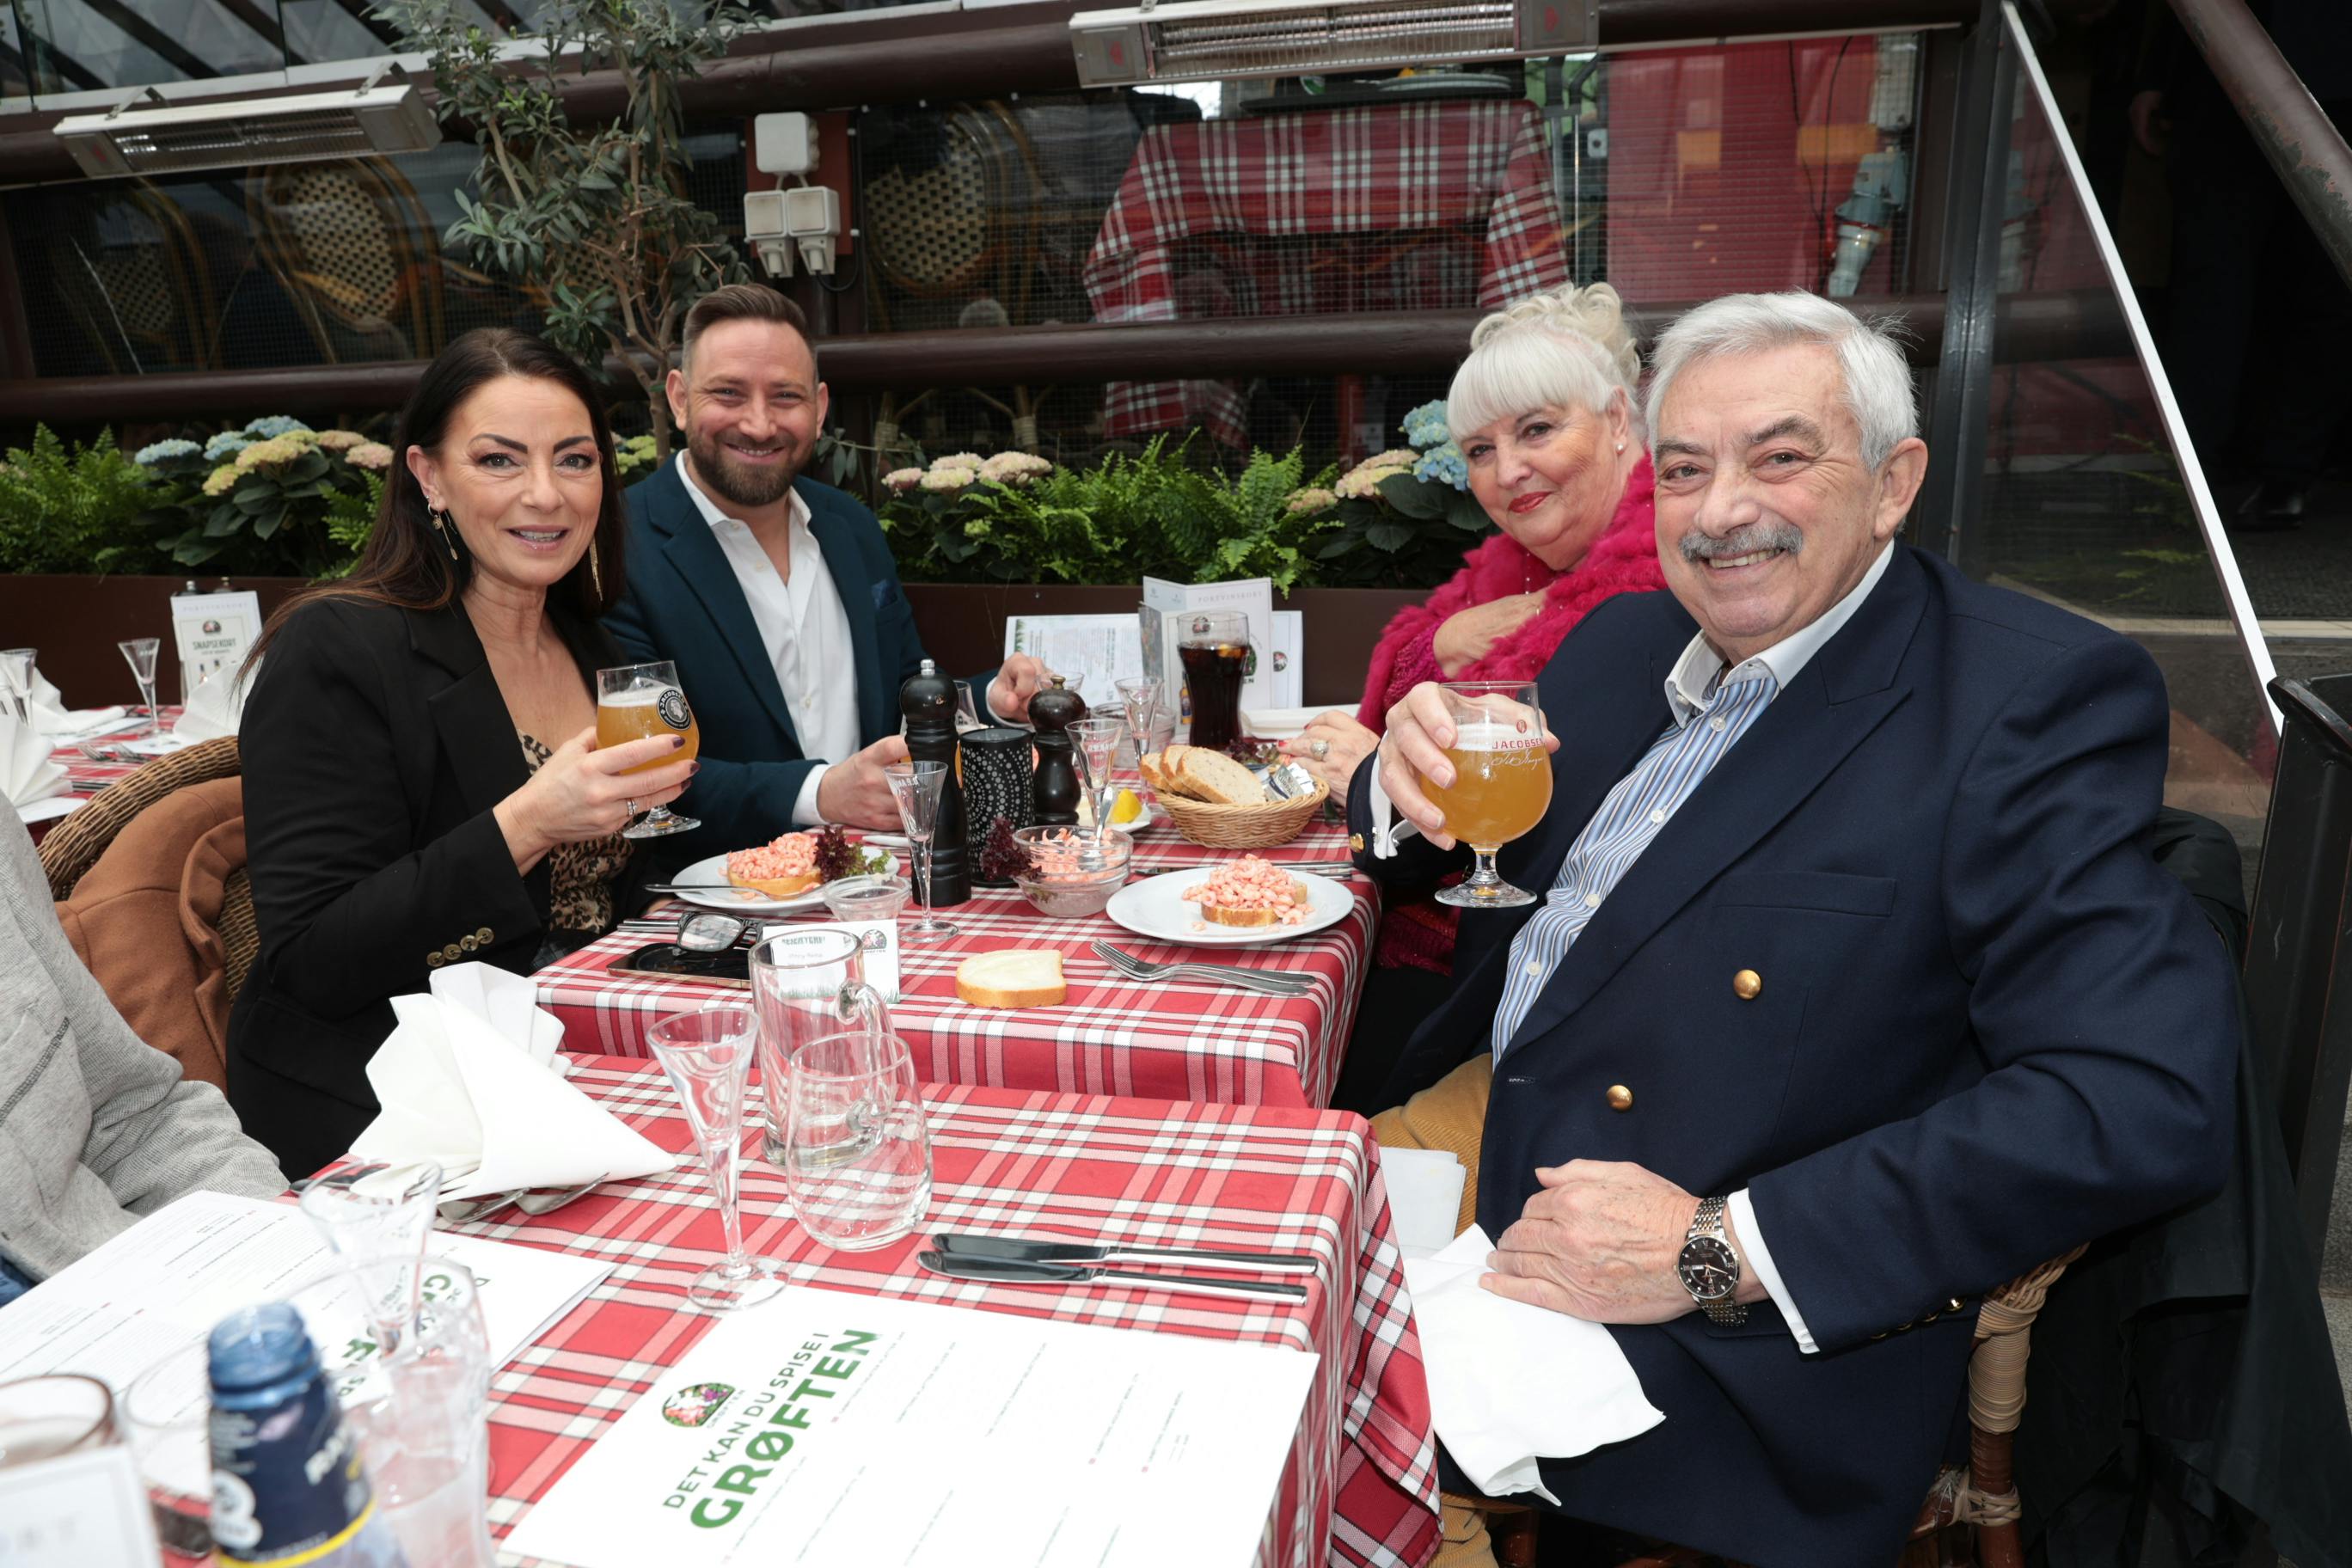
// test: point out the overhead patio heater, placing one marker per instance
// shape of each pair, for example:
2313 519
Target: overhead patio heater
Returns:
1211 40
233 132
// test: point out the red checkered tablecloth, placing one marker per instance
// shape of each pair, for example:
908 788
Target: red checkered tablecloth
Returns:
1173 1039
1361 1484
1477 168
86 775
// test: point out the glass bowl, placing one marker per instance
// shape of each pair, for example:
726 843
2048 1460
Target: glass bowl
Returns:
1068 892
869 897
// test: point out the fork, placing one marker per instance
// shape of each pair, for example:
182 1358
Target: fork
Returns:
529 1199
1273 982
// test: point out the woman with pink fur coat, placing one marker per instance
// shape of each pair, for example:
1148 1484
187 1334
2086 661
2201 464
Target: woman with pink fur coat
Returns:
1543 412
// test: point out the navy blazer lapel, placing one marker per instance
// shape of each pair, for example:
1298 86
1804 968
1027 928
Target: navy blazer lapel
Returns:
1806 733
877 700
696 556
1604 730
470 713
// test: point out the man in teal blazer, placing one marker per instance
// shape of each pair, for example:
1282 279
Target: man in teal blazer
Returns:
774 596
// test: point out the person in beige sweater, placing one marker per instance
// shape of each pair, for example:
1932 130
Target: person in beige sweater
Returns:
97 1128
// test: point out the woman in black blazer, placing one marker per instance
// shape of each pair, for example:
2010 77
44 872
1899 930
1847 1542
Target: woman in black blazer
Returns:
422 781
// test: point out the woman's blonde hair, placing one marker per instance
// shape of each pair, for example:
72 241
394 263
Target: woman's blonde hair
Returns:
1569 348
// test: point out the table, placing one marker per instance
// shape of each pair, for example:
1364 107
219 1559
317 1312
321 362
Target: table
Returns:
1476 168
1181 1039
85 775
1361 1485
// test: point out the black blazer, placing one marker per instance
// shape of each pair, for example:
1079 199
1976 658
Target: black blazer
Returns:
375 745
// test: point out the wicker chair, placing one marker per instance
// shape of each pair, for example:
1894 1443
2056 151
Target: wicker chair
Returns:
356 252
135 282
74 847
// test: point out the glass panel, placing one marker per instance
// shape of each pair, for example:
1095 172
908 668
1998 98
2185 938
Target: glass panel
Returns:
2086 505
77 46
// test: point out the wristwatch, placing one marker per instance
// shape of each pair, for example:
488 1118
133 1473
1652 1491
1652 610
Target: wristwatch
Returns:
1709 1269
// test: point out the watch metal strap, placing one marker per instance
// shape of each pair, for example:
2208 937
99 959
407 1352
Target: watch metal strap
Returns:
1708 1220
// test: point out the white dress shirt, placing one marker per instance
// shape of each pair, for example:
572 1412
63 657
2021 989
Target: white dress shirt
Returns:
804 630
1608 846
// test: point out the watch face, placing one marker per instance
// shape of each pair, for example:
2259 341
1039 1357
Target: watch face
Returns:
1709 1271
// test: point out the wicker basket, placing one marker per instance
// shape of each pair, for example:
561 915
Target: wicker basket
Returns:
1242 827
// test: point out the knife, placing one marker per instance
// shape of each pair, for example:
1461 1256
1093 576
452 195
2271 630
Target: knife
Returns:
1011 1272
962 1244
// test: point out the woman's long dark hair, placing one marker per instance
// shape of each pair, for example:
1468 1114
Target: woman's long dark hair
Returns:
407 563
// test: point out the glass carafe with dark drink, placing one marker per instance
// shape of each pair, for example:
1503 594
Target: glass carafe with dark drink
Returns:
1214 648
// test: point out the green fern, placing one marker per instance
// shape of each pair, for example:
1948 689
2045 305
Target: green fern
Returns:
83 510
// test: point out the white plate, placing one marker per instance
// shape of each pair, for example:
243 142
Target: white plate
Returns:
1152 818
715 870
1155 906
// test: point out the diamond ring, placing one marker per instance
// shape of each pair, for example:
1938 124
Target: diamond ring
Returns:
1320 749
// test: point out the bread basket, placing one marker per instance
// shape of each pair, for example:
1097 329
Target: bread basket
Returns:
1242 827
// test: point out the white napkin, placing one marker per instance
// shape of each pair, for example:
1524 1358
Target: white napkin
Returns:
466 1080
27 774
1509 1382
1424 1197
1280 723
51 717
214 706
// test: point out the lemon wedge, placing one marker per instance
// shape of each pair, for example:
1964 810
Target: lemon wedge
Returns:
1127 807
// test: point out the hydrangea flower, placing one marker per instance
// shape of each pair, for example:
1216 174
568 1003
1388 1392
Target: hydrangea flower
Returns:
163 451
340 440
1425 426
901 481
277 450
1444 464
941 479
374 455
1314 499
223 480
1362 482
1013 468
958 460
270 424
226 444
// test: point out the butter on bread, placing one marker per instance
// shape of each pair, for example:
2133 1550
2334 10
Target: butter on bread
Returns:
1013 977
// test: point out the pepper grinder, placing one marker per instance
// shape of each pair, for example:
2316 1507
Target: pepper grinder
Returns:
929 702
1053 788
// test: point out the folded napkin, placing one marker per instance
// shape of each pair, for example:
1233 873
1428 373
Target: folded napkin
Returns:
51 717
1281 723
467 1080
1424 1197
27 774
214 708
1509 1382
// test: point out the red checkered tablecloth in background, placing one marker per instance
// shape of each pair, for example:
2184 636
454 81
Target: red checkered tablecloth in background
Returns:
85 774
1480 167
1171 1039
1361 1484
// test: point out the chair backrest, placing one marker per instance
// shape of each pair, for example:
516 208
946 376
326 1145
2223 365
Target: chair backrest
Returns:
73 846
136 282
964 226
355 249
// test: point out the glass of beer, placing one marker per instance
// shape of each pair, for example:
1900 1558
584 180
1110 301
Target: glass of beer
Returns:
636 702
1501 782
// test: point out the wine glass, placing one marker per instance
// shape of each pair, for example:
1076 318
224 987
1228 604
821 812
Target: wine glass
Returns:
1139 695
916 787
141 652
858 1145
967 714
707 1055
636 702
375 1218
1093 744
1501 786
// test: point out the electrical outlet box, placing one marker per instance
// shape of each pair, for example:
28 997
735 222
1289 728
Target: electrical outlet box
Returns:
764 215
810 211
784 143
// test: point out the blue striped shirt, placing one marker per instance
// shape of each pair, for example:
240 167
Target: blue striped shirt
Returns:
1636 812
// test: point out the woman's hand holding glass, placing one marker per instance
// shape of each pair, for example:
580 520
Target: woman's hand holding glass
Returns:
585 791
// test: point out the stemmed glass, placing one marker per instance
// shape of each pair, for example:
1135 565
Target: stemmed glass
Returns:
1093 744
375 1218
141 652
707 1055
1140 696
1502 781
636 702
916 787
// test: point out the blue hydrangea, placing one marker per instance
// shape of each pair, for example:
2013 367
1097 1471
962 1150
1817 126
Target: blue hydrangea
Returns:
1444 464
226 444
272 425
163 451
1425 426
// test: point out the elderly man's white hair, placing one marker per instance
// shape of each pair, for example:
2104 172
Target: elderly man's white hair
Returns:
1877 377
1569 348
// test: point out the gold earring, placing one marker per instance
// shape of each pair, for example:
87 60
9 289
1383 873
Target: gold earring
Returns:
441 527
596 577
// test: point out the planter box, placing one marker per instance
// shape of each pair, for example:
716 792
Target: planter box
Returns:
75 622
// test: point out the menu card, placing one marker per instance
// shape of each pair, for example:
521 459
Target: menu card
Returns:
826 1427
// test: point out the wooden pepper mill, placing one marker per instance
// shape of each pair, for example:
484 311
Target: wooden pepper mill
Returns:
1053 788
929 702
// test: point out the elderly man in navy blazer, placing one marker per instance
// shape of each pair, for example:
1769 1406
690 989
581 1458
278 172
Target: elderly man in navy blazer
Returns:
774 596
1850 991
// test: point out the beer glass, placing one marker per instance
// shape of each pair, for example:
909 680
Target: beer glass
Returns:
1213 647
1501 782
636 702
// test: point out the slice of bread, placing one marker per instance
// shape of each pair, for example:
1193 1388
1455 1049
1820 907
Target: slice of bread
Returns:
1013 977
1215 777
776 887
1217 915
1166 771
